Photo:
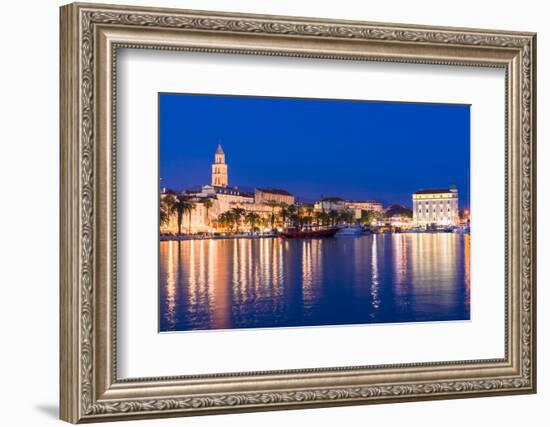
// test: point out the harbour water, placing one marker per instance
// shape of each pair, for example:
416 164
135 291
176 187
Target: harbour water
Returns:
275 282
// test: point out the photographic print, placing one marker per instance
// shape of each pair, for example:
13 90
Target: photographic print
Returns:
291 212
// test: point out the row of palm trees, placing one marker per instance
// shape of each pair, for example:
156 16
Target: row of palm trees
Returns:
281 214
235 217
305 215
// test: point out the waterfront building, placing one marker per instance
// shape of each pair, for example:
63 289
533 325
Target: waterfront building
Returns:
397 216
330 204
366 205
403 222
198 219
263 195
438 207
211 200
226 197
358 206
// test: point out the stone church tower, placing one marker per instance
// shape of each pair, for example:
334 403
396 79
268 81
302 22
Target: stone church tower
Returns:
219 168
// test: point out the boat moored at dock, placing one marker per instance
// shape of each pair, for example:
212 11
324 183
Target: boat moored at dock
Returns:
350 231
312 233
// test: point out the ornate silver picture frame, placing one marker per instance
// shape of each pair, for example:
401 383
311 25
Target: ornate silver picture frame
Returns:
91 390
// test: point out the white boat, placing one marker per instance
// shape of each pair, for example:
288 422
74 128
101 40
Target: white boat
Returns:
350 231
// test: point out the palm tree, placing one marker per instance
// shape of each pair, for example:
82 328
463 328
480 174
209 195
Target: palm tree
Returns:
166 204
182 204
367 217
293 214
303 218
238 213
306 220
283 212
295 220
346 216
273 204
319 217
252 218
208 203
309 209
226 220
333 215
188 206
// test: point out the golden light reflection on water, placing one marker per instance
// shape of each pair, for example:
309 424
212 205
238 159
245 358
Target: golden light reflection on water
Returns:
312 270
171 268
435 261
400 256
375 283
219 284
467 267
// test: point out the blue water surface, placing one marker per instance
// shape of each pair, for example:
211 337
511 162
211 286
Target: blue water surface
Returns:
273 282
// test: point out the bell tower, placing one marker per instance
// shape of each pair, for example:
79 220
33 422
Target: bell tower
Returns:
219 168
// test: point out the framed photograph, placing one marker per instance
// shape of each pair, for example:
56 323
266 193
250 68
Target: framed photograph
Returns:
265 212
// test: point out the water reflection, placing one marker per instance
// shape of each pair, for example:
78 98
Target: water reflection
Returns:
375 280
246 283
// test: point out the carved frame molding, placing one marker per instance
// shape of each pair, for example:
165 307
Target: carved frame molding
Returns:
90 36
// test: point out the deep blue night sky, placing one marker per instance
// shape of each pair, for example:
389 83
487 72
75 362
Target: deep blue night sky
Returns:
315 147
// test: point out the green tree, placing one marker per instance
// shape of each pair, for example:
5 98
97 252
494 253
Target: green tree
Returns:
307 220
181 205
398 210
166 208
283 213
252 218
208 203
238 214
367 217
333 215
307 213
309 209
272 204
293 214
318 215
226 220
346 216
322 218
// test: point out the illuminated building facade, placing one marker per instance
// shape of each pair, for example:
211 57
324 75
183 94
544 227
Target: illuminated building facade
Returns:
210 201
435 207
263 195
327 204
367 205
